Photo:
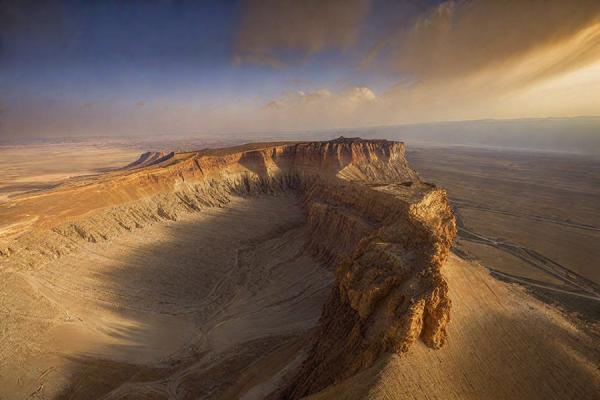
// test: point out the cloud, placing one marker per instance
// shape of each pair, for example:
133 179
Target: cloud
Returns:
299 98
322 99
457 59
321 108
459 38
451 61
273 32
493 59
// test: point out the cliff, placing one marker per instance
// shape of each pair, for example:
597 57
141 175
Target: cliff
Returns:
369 216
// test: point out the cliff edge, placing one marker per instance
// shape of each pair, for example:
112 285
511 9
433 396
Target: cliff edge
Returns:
369 217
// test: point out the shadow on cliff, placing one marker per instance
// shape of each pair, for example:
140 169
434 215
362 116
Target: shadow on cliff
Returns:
255 162
157 271
181 289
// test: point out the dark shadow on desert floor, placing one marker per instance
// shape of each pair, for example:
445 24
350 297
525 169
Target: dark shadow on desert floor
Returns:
183 308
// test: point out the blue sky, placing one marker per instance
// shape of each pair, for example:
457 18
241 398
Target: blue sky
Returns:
86 49
117 67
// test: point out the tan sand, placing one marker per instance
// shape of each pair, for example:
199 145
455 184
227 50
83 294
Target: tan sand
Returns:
167 299
503 344
36 167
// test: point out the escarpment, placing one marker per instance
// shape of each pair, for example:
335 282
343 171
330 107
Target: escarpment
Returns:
369 217
387 244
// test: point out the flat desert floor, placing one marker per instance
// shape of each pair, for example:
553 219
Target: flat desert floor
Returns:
27 168
531 218
220 303
177 311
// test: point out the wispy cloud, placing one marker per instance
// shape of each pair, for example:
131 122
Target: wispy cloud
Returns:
321 108
349 63
459 38
271 30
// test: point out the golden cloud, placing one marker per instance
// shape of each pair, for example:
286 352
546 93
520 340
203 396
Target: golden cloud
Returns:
466 37
269 28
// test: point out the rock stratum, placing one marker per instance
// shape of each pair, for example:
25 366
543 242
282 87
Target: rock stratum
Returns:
381 234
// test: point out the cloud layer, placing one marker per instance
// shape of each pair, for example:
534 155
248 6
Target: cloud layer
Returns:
461 38
295 65
272 31
483 59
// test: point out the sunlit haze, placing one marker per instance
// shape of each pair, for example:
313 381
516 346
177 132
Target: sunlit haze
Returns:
300 199
79 68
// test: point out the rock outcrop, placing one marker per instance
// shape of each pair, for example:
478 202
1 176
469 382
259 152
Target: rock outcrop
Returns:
387 253
150 158
371 219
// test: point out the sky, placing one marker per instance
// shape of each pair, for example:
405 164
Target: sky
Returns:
117 68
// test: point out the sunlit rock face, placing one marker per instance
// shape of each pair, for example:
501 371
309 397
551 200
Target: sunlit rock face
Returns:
368 217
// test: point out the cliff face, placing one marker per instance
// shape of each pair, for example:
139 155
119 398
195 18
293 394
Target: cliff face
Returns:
384 232
387 244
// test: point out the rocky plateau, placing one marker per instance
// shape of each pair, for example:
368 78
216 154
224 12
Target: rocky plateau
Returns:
271 270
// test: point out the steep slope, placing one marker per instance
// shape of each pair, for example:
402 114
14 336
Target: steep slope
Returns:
395 230
502 344
367 219
387 252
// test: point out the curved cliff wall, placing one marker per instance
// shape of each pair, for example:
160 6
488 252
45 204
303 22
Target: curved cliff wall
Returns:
387 253
371 219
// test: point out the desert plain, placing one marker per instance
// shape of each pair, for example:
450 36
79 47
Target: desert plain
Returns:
529 217
224 297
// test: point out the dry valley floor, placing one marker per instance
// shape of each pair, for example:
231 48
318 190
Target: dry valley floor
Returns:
177 309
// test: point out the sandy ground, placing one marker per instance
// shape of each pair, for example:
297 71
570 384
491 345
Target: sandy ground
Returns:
179 309
502 344
219 303
35 167
531 217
